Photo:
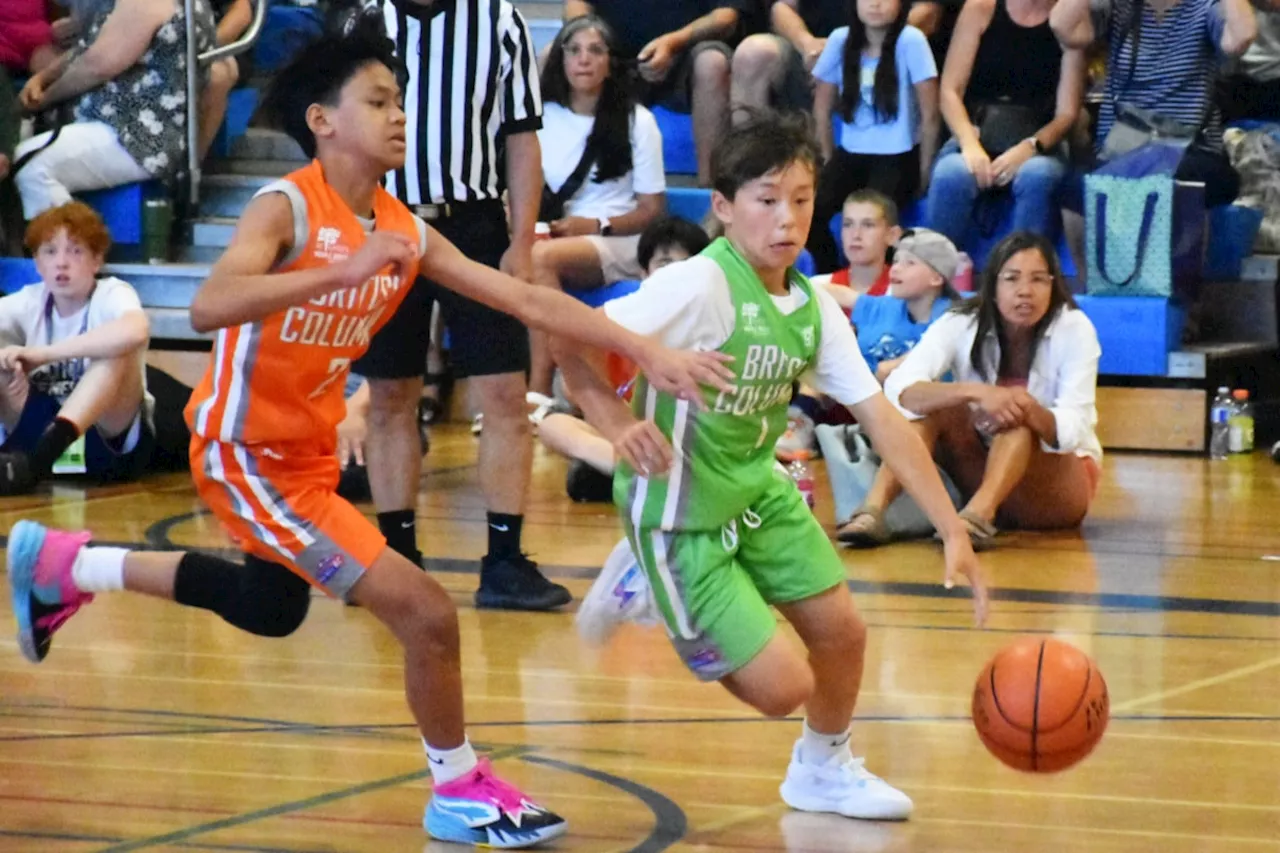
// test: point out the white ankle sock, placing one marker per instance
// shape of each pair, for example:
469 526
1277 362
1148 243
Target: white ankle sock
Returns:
817 748
449 764
99 569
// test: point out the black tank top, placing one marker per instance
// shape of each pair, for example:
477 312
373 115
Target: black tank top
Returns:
1015 64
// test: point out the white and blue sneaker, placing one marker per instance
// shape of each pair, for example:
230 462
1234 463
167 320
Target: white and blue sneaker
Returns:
620 594
842 786
479 808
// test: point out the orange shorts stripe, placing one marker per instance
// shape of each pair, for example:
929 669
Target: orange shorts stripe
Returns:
284 508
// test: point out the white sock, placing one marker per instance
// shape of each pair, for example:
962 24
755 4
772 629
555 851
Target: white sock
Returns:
449 764
99 569
817 748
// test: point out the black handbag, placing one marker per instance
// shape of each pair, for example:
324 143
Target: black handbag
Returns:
553 201
1002 125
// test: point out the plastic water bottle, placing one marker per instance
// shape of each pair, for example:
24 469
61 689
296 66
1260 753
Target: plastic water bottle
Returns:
1219 425
803 478
1240 423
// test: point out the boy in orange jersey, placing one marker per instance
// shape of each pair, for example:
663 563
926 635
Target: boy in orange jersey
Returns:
318 263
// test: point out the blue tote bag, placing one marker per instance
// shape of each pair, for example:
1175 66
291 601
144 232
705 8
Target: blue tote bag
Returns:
1144 230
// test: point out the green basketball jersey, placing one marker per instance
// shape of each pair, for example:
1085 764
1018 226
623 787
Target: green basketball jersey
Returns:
724 455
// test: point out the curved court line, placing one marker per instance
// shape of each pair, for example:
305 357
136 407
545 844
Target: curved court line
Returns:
670 822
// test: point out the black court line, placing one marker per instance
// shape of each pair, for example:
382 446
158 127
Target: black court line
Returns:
669 821
157 536
105 839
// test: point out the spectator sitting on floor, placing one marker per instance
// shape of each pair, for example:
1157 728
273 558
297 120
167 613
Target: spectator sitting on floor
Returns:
72 375
879 75
1015 430
590 476
590 119
683 50
868 230
127 74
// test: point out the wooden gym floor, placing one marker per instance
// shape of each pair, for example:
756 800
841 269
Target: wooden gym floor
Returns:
151 727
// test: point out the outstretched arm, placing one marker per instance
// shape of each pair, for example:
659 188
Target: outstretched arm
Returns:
678 373
241 287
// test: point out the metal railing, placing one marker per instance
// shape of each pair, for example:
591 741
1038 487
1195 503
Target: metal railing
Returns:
194 64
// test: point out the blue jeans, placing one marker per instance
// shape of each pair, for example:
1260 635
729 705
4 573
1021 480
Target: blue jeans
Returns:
953 193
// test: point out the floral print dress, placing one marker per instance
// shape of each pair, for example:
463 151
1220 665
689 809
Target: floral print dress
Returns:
147 104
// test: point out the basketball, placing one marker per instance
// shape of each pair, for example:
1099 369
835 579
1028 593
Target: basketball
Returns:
1040 705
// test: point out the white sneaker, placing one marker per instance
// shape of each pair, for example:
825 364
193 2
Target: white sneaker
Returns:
542 406
620 594
842 786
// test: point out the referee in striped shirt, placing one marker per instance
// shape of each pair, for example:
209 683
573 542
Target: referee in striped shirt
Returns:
474 110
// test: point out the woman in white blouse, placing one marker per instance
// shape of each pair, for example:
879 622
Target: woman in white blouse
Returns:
1015 429
588 103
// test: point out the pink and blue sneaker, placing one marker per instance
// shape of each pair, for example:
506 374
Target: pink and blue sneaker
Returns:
479 808
44 594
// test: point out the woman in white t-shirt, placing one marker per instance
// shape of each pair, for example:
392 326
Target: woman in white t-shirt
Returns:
588 104
72 360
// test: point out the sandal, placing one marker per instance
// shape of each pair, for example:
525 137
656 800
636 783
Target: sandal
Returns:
982 534
871 533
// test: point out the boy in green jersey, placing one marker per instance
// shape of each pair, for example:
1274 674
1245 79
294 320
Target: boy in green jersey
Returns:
719 531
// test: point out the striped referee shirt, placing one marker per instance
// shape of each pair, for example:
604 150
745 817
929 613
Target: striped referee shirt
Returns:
472 79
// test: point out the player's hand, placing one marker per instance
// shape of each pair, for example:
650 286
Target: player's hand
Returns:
517 261
962 562
4 167
1006 166
643 446
682 373
32 95
380 249
978 161
352 433
656 59
574 226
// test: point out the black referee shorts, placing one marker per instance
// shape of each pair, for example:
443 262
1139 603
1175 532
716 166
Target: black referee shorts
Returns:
482 341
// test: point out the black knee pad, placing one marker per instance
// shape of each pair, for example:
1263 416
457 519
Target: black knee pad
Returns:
260 597
274 600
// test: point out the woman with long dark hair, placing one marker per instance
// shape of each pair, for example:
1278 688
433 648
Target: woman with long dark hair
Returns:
1015 430
878 73
602 162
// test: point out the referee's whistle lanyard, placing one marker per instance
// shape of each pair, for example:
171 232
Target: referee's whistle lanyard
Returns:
74 367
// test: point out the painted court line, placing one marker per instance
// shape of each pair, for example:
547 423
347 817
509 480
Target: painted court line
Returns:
1229 675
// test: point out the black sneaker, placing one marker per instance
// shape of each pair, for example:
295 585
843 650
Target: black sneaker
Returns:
585 484
16 476
516 584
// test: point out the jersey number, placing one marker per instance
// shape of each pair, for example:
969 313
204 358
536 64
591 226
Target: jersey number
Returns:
336 368
764 431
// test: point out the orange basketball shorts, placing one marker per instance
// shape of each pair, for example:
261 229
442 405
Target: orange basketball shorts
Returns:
281 504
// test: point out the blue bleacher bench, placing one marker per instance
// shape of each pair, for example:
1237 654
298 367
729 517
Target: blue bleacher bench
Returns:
1136 333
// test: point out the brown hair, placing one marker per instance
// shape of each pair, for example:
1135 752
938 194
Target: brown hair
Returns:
82 222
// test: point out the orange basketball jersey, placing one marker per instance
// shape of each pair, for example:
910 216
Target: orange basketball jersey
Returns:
281 379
